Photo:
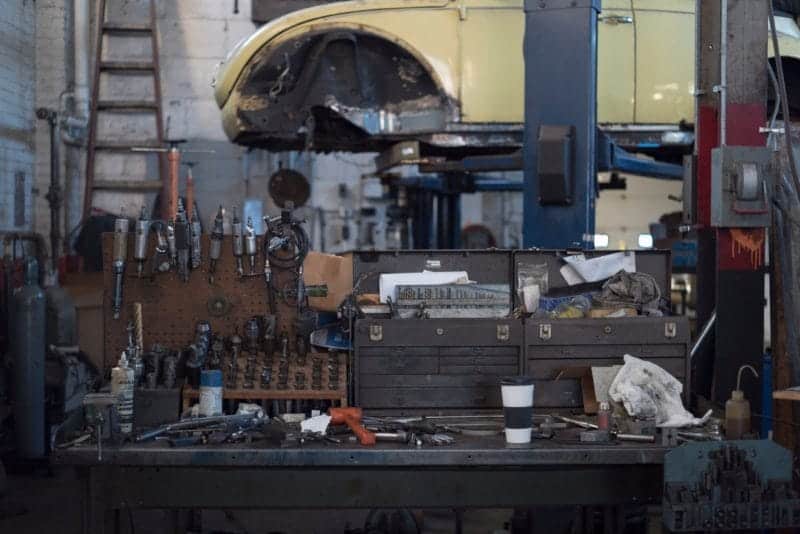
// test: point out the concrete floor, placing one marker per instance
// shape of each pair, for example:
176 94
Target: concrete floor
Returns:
42 501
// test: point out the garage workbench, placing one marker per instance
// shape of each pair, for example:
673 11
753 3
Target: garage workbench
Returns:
473 473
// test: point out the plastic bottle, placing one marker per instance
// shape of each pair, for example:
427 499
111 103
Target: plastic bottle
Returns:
737 409
122 380
604 417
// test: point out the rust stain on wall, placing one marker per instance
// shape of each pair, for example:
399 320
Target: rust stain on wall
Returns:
748 242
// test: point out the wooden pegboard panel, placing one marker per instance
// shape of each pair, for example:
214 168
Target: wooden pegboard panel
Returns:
171 307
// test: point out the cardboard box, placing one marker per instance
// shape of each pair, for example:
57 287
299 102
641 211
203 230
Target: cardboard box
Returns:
334 271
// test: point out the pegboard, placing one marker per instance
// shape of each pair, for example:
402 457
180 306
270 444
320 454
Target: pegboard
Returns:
171 308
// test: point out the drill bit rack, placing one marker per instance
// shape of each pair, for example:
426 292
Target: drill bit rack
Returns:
171 308
321 377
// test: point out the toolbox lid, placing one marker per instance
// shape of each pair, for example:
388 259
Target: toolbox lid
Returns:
491 266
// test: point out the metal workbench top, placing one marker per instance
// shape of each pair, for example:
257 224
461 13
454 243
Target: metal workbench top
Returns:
466 452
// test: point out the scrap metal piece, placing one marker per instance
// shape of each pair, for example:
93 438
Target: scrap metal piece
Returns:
731 485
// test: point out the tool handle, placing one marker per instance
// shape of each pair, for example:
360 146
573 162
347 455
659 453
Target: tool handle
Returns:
138 324
365 437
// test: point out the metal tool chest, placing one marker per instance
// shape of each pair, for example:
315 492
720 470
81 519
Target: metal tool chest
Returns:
555 345
418 364
441 364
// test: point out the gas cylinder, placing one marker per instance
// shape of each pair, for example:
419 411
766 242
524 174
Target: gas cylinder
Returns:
61 314
28 353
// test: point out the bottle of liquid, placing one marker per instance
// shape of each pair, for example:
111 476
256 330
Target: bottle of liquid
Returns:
604 417
122 379
737 409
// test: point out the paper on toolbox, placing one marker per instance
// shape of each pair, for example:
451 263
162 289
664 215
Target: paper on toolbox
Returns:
316 425
579 269
388 282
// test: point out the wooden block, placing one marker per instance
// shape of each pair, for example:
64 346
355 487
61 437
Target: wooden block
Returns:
596 313
787 394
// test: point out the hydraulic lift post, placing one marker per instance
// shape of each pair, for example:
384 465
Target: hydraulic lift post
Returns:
559 153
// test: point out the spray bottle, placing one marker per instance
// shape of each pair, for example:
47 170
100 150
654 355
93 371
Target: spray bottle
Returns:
122 379
737 409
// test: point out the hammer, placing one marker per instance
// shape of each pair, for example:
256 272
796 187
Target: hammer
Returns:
352 418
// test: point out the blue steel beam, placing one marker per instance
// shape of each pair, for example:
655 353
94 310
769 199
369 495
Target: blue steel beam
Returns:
560 49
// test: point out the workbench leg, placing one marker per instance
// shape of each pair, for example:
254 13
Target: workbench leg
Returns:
182 521
97 518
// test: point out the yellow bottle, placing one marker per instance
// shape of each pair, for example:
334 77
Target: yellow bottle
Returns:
737 410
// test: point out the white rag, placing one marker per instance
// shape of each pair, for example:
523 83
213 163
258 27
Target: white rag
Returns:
649 392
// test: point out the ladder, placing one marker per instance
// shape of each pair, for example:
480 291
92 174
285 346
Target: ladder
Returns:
102 104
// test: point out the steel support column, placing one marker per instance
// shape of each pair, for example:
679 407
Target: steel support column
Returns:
560 50
731 106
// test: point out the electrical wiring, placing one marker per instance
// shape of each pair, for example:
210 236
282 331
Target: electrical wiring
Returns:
784 101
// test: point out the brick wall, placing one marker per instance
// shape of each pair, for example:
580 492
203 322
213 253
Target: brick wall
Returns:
17 25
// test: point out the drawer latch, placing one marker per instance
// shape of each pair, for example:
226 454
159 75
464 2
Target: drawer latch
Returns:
503 332
670 330
375 332
545 331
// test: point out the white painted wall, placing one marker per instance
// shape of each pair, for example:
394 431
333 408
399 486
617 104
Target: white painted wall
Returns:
17 25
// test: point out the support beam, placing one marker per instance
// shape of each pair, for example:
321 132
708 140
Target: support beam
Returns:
560 91
731 106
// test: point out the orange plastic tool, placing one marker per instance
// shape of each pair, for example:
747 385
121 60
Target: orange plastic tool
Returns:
351 417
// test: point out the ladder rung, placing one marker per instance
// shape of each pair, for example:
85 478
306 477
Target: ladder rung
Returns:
127 104
128 185
126 65
115 27
126 146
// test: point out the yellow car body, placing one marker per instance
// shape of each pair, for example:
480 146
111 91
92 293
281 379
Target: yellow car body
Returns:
469 65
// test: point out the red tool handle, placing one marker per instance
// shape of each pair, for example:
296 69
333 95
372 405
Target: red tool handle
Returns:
365 437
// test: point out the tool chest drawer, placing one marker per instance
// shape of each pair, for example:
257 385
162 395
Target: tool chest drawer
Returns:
434 363
555 346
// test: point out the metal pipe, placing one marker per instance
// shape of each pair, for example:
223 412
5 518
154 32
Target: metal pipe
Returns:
54 194
723 74
81 14
703 334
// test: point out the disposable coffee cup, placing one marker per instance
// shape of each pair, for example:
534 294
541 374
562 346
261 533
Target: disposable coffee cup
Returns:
517 394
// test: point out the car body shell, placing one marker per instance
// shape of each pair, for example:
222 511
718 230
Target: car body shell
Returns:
471 51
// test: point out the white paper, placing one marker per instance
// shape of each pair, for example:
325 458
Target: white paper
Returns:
316 425
579 269
388 282
530 298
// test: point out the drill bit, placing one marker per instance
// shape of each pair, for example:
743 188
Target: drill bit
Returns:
182 243
140 241
173 251
238 245
250 246
215 248
119 260
196 230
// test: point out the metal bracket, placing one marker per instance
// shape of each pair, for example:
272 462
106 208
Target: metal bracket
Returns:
375 332
503 332
670 330
545 332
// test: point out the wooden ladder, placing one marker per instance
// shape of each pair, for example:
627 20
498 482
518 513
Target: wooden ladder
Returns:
101 104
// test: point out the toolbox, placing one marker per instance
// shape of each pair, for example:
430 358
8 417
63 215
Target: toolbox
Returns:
554 347
413 365
440 364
